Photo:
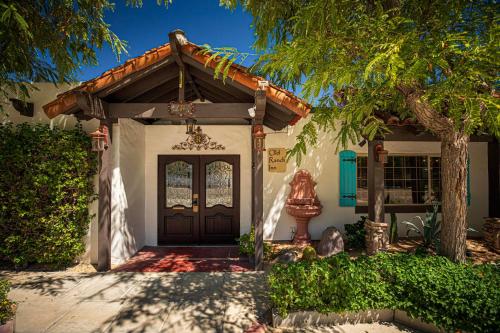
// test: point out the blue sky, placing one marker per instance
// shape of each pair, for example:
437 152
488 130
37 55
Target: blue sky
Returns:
203 21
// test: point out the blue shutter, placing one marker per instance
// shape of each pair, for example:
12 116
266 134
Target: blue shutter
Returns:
468 181
347 178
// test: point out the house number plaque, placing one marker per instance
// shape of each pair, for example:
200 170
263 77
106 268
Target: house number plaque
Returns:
276 159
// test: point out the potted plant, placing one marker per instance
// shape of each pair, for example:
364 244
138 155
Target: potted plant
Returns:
7 309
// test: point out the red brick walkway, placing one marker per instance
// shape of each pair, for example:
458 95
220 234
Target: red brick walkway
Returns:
186 259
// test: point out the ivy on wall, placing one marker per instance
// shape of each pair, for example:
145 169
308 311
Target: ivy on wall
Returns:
46 187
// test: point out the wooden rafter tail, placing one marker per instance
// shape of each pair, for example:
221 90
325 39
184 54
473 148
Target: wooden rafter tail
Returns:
177 39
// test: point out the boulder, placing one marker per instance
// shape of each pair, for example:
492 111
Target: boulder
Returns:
331 242
287 257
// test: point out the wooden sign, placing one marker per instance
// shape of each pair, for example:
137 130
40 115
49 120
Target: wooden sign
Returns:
276 159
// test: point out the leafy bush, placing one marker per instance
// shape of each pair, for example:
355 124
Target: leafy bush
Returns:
45 188
309 253
355 234
7 307
449 295
247 244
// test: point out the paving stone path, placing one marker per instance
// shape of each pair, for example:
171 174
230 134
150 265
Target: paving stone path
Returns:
62 302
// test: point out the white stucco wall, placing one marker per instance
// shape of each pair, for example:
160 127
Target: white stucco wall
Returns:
134 186
323 163
159 141
127 192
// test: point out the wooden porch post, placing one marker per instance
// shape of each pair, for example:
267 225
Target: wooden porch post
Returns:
494 178
491 226
258 140
376 228
104 210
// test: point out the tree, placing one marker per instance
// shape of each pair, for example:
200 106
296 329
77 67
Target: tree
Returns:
49 40
433 61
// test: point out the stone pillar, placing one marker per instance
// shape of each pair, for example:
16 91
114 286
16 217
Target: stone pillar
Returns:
491 231
376 229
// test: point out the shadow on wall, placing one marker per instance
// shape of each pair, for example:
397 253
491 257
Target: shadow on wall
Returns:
322 162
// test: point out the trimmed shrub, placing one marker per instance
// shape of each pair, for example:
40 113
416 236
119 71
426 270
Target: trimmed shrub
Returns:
45 189
355 234
449 295
7 307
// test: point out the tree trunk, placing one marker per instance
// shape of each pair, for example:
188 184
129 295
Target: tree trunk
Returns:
454 195
454 145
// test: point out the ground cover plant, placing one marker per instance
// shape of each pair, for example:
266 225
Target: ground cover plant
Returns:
46 186
450 295
7 307
247 245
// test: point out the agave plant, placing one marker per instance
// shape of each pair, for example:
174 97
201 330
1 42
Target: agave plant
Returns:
429 228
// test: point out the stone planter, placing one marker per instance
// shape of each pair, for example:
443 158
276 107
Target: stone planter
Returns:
491 231
8 327
312 318
376 238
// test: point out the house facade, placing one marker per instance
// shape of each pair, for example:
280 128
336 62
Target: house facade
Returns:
185 164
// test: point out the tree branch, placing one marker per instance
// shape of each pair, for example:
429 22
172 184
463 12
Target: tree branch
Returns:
426 115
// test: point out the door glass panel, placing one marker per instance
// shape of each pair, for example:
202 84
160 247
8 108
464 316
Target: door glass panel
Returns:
219 184
179 184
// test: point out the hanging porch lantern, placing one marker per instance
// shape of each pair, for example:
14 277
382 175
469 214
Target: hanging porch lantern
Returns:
100 138
381 154
190 124
259 138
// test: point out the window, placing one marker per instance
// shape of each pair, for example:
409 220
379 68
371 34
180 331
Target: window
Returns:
409 180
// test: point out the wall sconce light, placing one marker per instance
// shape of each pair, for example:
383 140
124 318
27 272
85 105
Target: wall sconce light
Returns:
190 123
259 138
100 138
381 154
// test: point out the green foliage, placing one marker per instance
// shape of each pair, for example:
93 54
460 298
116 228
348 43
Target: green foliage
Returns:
49 41
247 244
449 295
225 57
7 307
309 253
46 186
429 229
355 234
393 229
359 59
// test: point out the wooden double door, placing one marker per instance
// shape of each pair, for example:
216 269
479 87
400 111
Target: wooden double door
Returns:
198 199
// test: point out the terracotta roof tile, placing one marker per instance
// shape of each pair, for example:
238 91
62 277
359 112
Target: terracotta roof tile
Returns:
66 101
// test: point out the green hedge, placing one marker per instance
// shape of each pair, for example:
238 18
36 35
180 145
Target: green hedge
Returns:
449 295
45 189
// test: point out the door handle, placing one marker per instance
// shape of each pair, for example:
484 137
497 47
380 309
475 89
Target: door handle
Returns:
195 203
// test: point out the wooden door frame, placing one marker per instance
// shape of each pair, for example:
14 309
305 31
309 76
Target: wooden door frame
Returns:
161 189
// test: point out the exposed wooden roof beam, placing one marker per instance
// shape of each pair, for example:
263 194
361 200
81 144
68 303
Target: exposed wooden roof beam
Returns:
229 82
260 103
160 110
207 78
144 85
156 92
134 77
91 105
185 75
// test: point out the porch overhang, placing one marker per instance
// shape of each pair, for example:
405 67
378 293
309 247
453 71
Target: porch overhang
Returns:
178 71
